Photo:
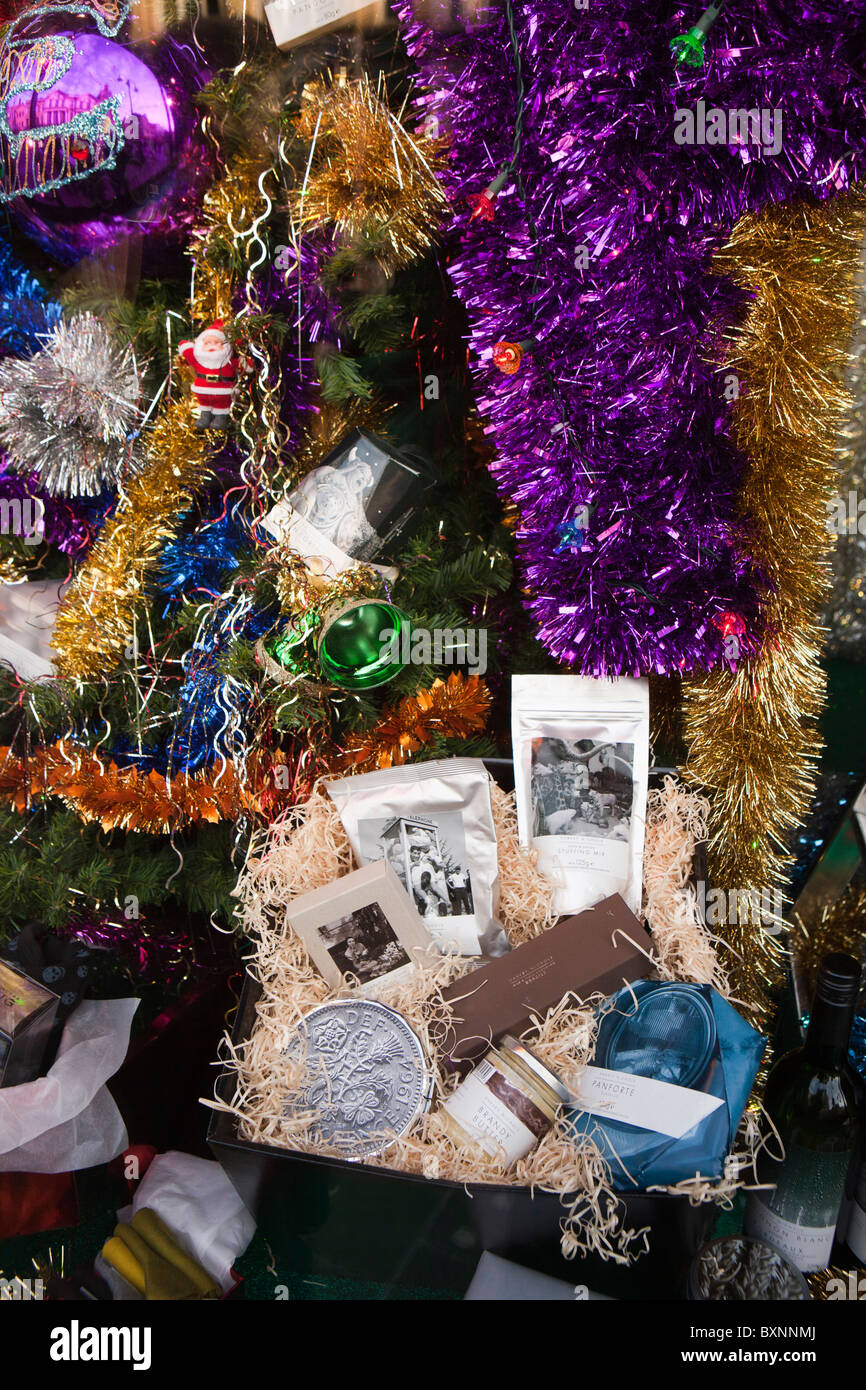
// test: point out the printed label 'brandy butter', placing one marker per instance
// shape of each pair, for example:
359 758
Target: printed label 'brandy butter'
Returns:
812 1103
506 1105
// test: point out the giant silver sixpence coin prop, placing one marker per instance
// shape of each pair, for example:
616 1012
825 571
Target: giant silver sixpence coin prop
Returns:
365 1076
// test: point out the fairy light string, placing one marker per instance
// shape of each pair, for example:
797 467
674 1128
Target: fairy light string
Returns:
689 48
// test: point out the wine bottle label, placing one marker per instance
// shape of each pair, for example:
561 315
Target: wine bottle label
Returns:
804 1206
856 1236
807 1247
856 1232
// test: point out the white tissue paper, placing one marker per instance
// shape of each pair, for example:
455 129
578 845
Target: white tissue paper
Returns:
67 1120
27 616
196 1199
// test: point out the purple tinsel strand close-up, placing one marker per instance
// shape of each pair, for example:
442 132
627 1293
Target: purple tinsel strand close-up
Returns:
612 437
162 953
70 524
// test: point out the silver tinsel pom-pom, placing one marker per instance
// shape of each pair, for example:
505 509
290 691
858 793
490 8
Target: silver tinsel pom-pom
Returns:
68 413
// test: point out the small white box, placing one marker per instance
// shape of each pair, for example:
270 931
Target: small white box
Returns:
297 21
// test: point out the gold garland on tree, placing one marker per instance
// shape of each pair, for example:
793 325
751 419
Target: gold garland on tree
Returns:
751 733
97 616
329 422
128 799
230 215
95 620
839 926
369 177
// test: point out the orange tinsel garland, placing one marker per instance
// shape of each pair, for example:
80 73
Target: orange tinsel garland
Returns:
454 708
125 798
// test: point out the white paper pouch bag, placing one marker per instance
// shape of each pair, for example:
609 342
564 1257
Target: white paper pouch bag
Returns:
433 823
581 753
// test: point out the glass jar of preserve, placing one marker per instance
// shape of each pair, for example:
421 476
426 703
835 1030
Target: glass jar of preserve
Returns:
506 1104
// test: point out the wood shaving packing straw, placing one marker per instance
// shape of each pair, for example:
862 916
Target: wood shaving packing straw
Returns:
737 1269
676 824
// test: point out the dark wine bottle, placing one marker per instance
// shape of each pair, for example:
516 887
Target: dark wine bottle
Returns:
812 1102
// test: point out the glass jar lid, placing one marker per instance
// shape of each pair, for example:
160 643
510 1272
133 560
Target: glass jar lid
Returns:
669 1036
534 1064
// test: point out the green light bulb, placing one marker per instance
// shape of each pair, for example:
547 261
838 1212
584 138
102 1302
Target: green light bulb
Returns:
689 48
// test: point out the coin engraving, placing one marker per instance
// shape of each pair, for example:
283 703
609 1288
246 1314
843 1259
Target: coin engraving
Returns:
365 1078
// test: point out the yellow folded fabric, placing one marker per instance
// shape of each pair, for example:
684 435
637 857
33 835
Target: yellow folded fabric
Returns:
163 1275
161 1239
121 1258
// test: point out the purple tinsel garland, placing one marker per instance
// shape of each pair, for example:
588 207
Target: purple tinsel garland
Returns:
152 949
70 524
618 408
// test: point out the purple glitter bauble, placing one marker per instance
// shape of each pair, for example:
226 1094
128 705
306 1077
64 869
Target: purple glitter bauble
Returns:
161 169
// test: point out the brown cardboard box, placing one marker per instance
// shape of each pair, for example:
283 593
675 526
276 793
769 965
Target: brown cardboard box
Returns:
595 952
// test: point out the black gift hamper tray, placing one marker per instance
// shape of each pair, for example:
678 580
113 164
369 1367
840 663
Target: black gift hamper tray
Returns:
332 1219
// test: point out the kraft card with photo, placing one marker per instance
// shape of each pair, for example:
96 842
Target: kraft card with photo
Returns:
363 927
433 823
581 756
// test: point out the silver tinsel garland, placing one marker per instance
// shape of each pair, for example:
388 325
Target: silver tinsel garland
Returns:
70 412
845 614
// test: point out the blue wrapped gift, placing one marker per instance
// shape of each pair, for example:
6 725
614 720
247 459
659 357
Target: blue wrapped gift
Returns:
682 1036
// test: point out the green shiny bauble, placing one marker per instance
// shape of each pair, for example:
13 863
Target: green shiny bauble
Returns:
363 643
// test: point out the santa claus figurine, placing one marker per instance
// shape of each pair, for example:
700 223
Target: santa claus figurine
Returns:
216 373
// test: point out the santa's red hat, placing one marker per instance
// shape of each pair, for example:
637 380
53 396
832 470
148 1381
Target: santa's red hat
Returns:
217 326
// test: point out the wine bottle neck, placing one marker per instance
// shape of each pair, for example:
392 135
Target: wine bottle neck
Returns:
828 1034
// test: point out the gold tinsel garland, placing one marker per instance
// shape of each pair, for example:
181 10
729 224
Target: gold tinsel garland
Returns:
328 424
12 570
840 926
231 212
97 616
369 176
303 594
751 733
845 615
227 246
